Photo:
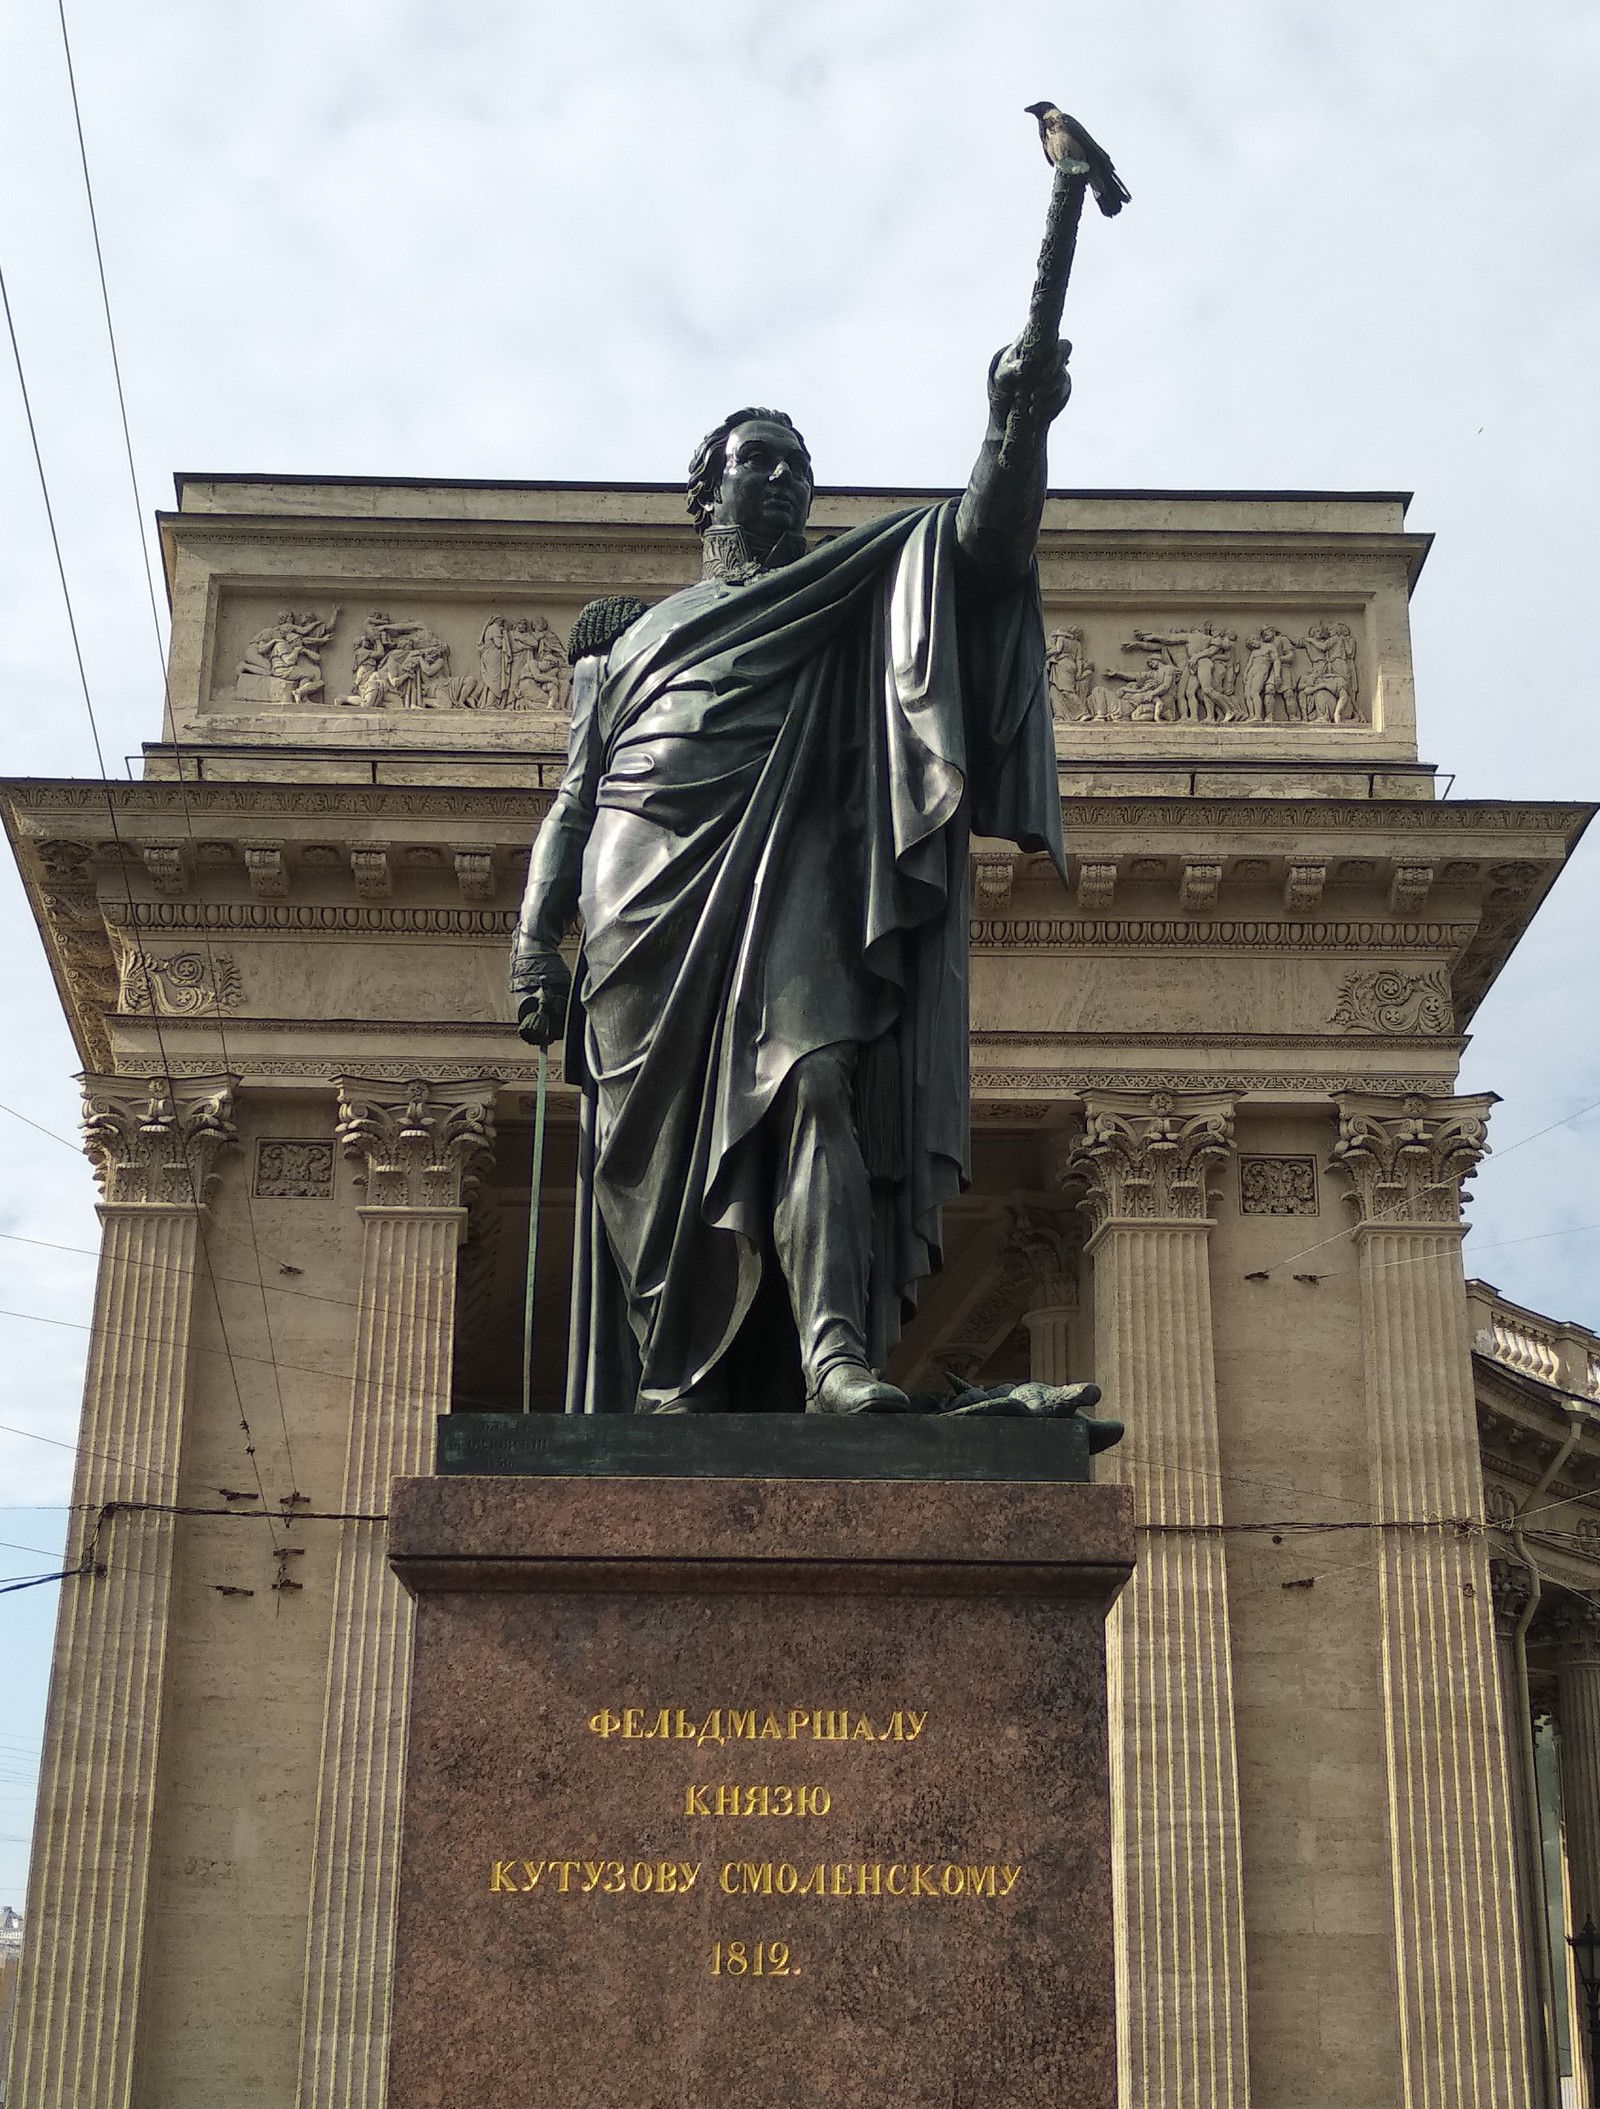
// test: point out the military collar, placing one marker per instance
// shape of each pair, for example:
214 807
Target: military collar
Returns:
726 556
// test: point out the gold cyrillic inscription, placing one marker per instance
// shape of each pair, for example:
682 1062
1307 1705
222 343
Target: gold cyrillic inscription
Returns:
866 1878
942 1879
756 1801
585 1878
750 1724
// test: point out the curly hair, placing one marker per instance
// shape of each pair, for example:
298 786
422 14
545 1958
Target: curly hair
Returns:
710 458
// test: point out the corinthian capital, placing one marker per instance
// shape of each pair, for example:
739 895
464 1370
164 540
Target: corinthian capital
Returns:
1040 1254
1406 1161
1574 1625
154 1141
423 1144
1509 1590
1145 1158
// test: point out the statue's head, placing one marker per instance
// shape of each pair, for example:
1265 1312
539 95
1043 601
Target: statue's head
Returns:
752 472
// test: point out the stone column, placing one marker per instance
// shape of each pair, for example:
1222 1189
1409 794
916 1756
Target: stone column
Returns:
421 1145
1509 1587
154 1146
1575 1625
1144 1162
1042 1249
1457 1946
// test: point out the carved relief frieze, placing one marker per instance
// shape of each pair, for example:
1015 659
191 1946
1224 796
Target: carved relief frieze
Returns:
507 661
1278 1186
155 1142
1200 673
1380 1000
291 1170
178 984
1407 1164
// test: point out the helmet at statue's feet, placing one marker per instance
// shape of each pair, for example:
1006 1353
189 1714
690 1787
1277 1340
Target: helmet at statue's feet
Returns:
850 1387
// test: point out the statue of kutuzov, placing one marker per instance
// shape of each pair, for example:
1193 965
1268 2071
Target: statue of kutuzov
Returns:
763 826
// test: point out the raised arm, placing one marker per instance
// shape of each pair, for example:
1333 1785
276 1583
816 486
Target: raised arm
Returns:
997 526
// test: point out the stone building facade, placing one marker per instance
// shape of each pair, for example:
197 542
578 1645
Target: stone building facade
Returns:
1218 1161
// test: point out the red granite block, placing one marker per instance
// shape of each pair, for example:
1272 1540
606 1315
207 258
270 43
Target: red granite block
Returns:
756 1794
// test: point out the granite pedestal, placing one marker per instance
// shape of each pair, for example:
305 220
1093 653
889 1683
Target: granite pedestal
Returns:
754 1790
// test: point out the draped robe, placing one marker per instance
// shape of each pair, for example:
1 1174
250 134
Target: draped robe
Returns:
778 781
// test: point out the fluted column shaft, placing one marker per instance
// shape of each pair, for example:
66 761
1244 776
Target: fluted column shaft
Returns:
75 2042
1575 1625
420 1150
1509 1590
1457 1940
1177 1874
1050 1330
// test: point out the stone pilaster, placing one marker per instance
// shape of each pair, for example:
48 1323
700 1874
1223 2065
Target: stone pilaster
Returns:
1144 1162
420 1145
1463 2024
1575 1624
153 1146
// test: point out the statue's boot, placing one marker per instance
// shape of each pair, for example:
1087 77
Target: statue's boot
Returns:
850 1387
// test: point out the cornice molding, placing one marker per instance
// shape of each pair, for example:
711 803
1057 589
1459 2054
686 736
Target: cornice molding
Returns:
1267 817
1067 1084
1221 933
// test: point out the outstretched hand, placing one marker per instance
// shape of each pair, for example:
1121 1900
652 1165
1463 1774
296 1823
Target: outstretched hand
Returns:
1039 381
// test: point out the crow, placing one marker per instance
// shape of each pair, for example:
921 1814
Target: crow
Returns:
1067 145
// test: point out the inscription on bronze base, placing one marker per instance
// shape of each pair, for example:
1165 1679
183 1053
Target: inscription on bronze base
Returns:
738 1792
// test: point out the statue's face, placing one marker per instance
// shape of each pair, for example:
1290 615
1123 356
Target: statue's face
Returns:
766 483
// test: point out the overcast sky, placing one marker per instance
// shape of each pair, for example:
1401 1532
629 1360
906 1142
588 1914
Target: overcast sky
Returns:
514 238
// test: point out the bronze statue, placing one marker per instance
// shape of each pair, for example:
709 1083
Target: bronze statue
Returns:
763 826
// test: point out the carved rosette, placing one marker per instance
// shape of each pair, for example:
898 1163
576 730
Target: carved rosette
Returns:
154 1142
1146 1157
423 1145
1406 1163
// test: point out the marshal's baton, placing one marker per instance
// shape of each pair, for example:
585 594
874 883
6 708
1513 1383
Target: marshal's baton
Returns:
1043 326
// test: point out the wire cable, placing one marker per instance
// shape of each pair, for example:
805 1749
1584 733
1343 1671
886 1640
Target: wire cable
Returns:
94 734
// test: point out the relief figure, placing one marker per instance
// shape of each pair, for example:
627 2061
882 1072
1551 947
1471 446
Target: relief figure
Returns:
404 666
494 662
283 663
1208 673
1269 690
539 673
1327 689
1070 674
